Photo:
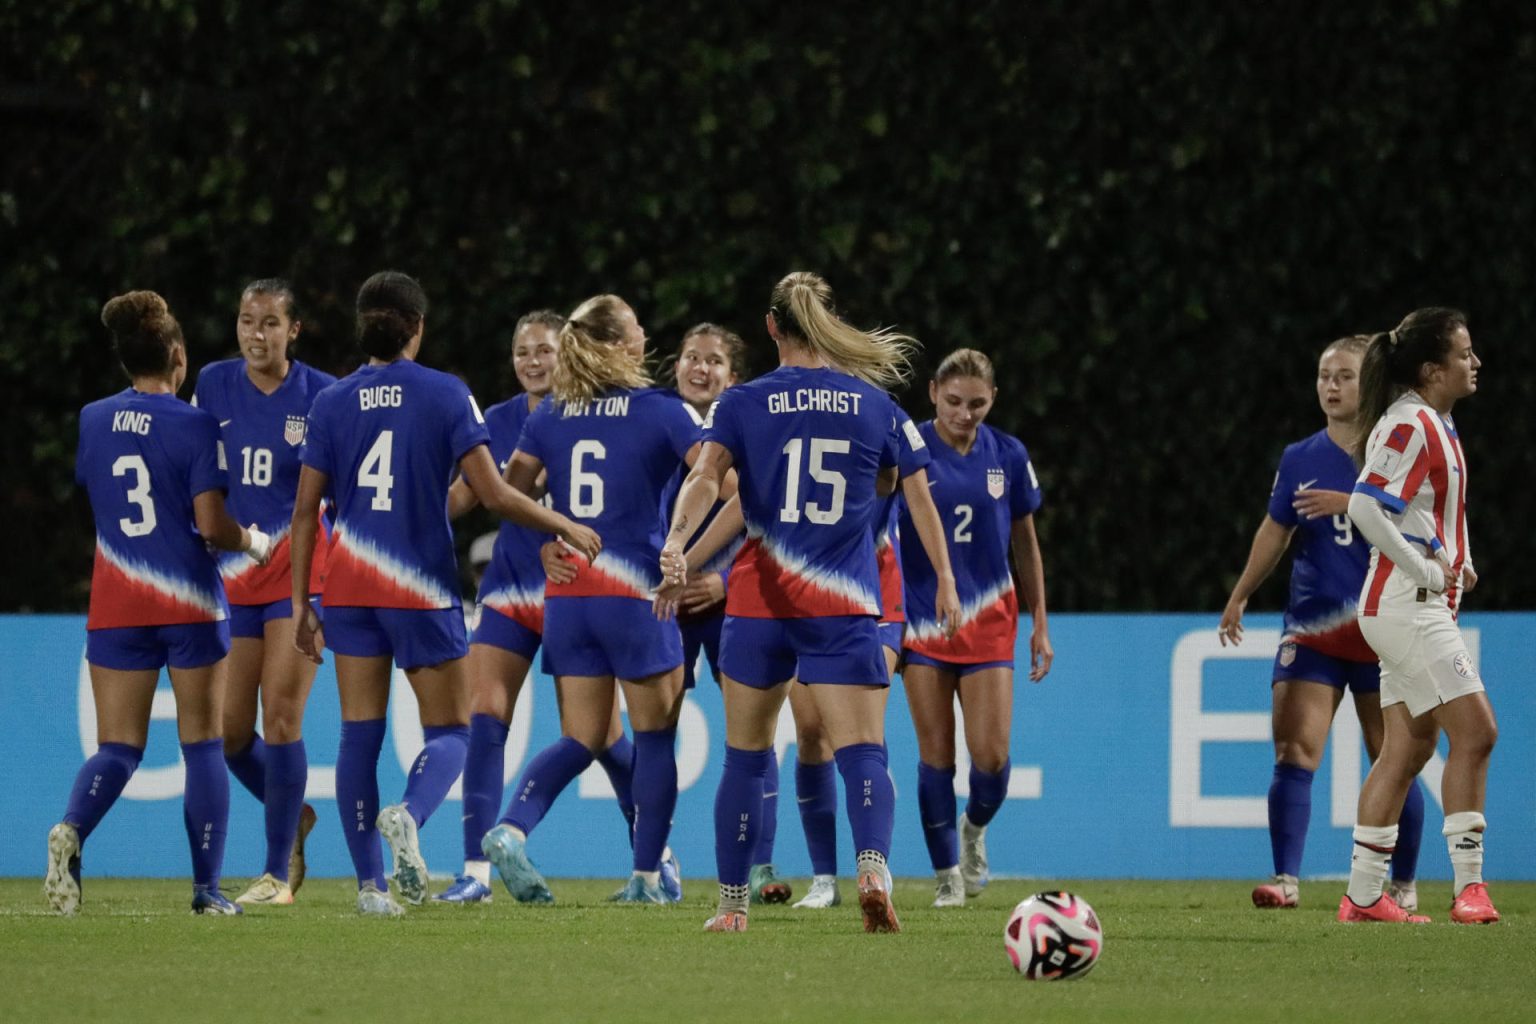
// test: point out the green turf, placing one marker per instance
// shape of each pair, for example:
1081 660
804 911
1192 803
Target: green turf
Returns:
1174 951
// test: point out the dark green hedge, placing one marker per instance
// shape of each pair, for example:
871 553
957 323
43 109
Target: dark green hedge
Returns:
1152 214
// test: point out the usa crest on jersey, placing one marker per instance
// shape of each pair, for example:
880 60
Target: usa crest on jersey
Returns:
293 431
997 482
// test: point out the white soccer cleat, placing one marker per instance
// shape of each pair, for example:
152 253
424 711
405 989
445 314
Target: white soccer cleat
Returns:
822 895
62 883
266 891
410 875
373 903
1404 894
950 890
973 856
1281 893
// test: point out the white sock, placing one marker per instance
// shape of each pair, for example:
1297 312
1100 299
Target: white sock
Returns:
651 878
1463 833
969 829
823 879
479 870
948 875
734 898
1368 866
519 833
872 861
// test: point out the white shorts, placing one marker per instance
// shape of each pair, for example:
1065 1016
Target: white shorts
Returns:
1424 660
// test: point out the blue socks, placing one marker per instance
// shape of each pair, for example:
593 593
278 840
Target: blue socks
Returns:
357 796
287 775
739 812
1290 809
618 762
484 764
988 791
542 781
770 829
249 767
98 784
440 762
871 797
1410 831
936 808
205 808
816 791
655 780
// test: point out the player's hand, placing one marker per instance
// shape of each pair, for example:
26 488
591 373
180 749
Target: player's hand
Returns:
702 592
1231 628
1311 504
308 638
1468 578
582 539
1438 567
1040 653
674 564
946 605
557 568
258 545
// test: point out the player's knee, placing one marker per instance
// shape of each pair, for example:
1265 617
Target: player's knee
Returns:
1300 754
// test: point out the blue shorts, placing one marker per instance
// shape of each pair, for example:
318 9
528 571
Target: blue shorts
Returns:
131 648
498 630
1296 662
701 634
608 636
958 668
834 649
416 637
250 620
891 634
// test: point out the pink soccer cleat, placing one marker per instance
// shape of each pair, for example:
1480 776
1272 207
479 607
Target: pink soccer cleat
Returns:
1278 894
1383 909
727 921
1472 906
875 902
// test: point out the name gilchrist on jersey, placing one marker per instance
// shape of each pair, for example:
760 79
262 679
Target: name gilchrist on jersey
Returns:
810 548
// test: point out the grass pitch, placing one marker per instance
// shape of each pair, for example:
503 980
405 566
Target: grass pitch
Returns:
1174 951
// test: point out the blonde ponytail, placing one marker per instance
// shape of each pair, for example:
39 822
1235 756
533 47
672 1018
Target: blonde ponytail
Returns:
592 358
802 307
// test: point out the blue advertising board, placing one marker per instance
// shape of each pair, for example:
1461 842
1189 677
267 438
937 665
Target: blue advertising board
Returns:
1145 754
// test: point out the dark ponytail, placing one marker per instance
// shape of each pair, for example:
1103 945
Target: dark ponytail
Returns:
390 308
1393 362
144 333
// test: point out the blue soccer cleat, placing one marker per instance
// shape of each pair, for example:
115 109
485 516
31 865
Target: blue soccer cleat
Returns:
465 889
208 900
636 890
374 902
508 854
672 877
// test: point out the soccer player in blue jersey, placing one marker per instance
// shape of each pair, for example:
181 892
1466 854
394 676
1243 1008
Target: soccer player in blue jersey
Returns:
814 442
384 442
987 494
153 470
1322 652
261 400
608 443
511 623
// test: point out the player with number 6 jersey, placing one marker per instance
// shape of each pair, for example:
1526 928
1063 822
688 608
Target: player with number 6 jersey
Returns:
608 443
152 467
385 441
261 400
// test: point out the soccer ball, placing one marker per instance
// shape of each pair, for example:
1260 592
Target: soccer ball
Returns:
1053 935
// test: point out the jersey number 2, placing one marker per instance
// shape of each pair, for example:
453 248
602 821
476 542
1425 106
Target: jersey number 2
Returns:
820 447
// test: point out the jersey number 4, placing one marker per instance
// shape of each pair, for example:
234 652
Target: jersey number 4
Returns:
374 472
818 514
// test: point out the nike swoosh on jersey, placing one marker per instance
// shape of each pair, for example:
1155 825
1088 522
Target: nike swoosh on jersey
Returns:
1309 483
225 423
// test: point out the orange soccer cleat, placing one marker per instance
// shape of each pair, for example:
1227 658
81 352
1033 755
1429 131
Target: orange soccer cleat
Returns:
1472 906
1382 910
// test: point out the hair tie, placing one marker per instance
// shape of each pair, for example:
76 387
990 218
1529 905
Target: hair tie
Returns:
1392 338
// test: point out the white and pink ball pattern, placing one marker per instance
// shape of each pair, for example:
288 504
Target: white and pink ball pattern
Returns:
1052 936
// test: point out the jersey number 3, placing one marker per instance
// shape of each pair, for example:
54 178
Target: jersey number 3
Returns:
138 494
820 447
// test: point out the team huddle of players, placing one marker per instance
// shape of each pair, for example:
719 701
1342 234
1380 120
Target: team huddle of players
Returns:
798 529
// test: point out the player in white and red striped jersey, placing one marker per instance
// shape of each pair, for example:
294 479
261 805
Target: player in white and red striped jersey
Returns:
1410 503
261 400
987 494
155 474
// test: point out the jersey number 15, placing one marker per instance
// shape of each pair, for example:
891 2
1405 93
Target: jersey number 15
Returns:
816 513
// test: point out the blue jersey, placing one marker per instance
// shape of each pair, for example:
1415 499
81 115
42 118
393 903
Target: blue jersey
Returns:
608 461
514 581
262 434
913 456
389 437
979 495
808 445
142 459
1331 558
